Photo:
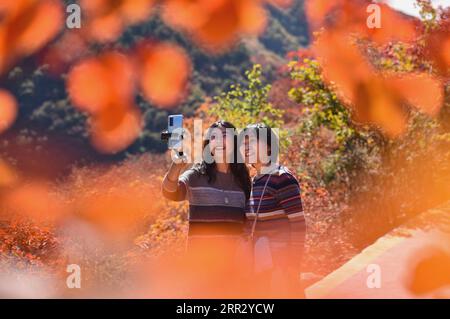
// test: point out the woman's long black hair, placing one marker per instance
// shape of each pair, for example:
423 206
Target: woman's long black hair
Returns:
239 170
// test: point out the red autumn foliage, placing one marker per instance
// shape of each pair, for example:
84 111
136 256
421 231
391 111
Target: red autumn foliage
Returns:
375 98
215 24
104 86
25 27
8 110
164 71
108 18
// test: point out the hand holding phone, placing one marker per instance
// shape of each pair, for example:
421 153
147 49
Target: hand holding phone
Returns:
180 159
174 136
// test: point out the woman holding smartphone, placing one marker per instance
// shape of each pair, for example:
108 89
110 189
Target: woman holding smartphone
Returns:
217 190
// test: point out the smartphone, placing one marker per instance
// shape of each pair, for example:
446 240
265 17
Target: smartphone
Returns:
175 129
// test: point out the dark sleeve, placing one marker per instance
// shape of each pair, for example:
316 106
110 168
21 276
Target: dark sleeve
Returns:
178 194
177 191
288 197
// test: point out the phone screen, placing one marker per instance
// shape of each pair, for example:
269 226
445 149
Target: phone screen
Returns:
175 122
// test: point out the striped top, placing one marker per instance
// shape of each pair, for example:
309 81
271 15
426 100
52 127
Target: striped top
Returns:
281 199
220 203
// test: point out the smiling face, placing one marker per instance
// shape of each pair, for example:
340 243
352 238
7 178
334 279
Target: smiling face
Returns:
256 146
253 150
221 144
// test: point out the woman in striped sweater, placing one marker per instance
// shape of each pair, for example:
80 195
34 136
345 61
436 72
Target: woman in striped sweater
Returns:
276 205
217 188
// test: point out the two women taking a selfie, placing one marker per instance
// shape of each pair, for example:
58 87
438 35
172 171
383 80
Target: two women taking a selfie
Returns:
228 210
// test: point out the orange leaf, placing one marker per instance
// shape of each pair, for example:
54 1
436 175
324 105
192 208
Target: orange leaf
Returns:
187 14
437 49
215 24
98 82
105 28
8 110
421 90
281 3
40 29
221 26
342 63
8 175
252 17
394 27
88 87
385 110
108 18
317 10
115 129
35 200
26 28
165 72
70 46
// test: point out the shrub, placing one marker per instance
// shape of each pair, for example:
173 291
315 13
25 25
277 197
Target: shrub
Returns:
246 104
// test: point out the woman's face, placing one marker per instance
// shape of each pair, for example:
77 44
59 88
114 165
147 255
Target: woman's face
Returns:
249 149
221 144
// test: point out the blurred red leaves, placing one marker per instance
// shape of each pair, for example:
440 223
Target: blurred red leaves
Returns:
421 90
115 202
317 11
118 200
437 49
67 49
342 63
104 87
108 18
117 212
394 27
35 201
351 17
375 97
164 72
25 27
8 110
281 3
115 129
215 24
8 176
431 272
99 82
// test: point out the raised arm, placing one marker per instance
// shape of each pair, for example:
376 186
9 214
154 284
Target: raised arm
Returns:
173 188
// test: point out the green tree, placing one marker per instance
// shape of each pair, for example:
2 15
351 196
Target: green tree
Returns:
246 104
322 110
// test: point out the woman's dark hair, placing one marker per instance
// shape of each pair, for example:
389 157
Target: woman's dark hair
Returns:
239 170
